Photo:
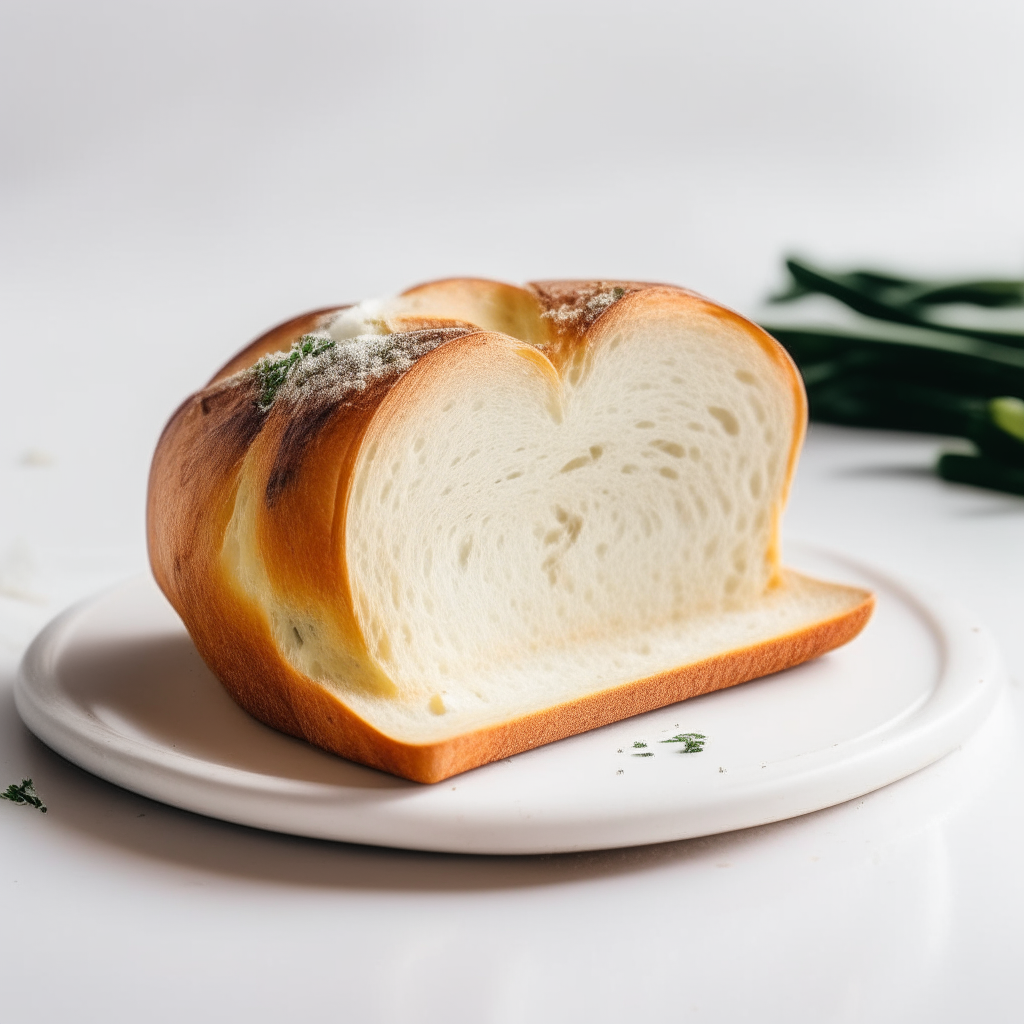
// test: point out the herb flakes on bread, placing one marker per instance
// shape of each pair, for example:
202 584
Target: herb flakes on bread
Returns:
429 532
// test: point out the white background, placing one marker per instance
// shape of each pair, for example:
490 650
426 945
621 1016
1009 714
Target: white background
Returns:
177 177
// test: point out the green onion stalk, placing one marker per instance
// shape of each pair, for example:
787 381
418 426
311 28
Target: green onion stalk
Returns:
900 369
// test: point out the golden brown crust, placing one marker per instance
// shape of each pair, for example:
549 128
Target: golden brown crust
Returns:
299 459
490 305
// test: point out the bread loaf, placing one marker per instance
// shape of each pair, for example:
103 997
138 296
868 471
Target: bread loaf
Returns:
432 531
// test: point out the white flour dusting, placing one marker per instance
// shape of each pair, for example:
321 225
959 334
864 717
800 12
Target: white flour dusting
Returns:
318 364
588 308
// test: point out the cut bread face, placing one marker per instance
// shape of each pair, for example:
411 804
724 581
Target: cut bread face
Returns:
475 518
513 536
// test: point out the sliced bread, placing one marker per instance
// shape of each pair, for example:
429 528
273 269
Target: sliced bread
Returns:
433 531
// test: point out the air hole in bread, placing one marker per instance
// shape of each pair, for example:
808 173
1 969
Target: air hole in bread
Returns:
677 451
730 424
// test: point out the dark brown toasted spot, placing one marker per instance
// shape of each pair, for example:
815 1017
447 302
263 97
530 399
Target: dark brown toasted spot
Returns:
307 420
239 429
233 422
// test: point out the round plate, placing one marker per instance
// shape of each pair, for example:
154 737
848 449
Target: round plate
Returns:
115 685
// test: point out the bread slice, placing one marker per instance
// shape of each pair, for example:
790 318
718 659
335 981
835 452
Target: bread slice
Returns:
434 531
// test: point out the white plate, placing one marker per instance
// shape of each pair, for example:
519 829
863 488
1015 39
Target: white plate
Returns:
115 685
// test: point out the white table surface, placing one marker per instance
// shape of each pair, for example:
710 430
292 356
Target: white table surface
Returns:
177 177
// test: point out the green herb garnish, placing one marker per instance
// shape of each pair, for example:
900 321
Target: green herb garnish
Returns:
23 794
637 745
273 371
693 742
646 753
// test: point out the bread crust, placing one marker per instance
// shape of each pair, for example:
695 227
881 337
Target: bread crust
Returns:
301 463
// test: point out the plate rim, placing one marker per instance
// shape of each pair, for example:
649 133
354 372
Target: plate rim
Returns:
921 734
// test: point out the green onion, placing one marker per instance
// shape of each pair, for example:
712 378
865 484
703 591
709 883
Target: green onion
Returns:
905 302
900 370
982 472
